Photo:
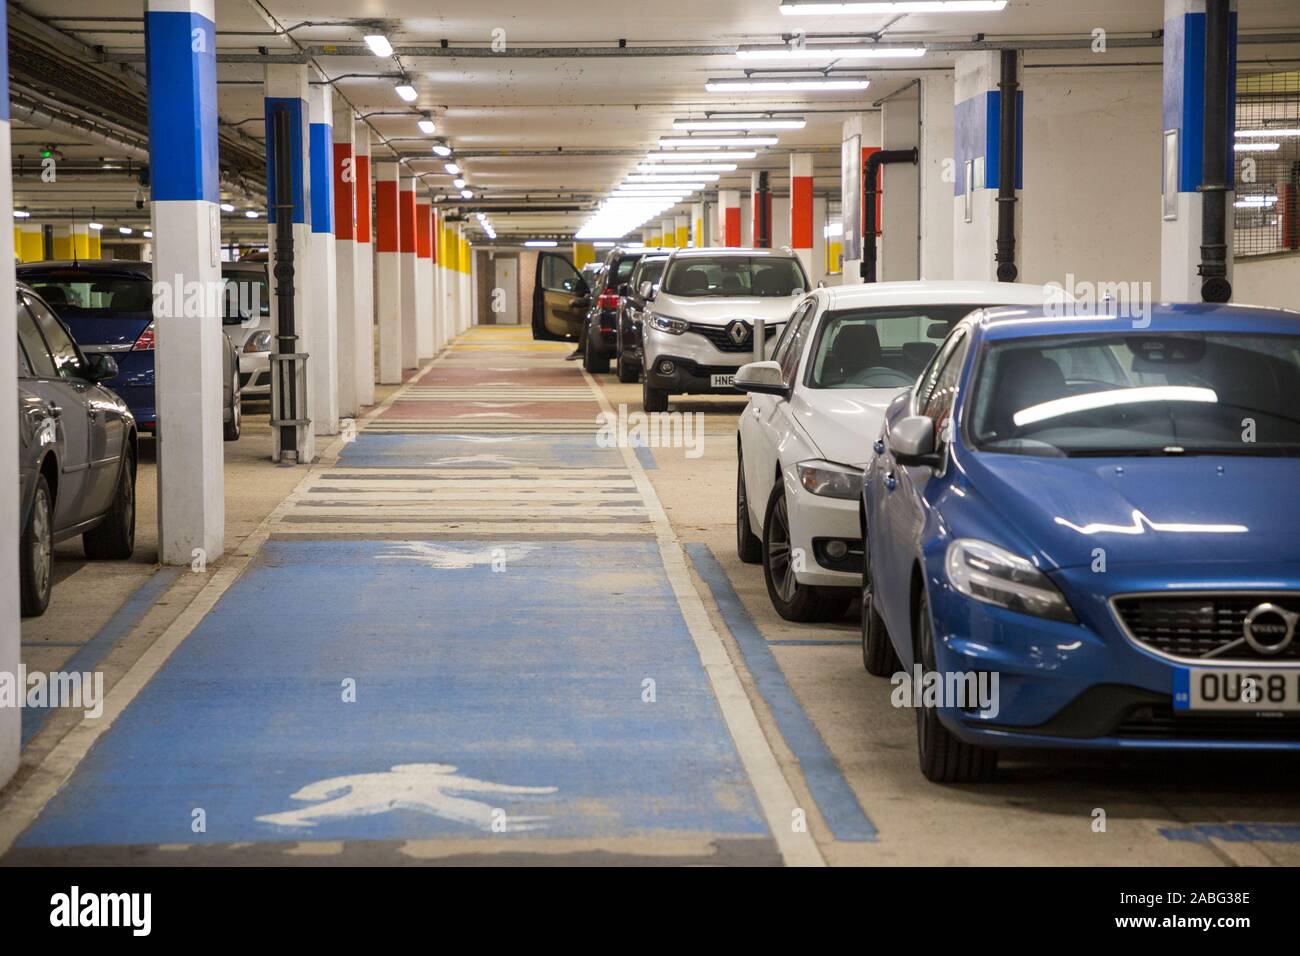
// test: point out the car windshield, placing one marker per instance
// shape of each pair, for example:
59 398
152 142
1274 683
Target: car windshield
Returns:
881 348
245 295
722 276
622 271
1214 393
651 271
86 295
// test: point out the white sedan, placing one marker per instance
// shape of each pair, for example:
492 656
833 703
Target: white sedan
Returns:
814 411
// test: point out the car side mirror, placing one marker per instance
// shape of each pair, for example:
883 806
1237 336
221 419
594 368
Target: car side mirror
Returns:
763 378
101 367
912 442
647 290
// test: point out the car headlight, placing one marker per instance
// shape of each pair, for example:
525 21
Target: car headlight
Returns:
994 575
259 342
830 480
672 326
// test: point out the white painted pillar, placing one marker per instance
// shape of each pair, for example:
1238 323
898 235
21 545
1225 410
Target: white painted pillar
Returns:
10 633
410 284
938 175
388 273
424 337
818 271
683 231
347 260
435 280
752 234
365 330
668 229
802 228
900 224
287 87
322 325
698 237
1183 144
729 220
180 47
466 270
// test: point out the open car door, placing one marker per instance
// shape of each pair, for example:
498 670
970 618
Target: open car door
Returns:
560 298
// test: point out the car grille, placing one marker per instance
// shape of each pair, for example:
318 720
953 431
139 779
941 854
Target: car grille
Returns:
1198 626
1160 722
720 340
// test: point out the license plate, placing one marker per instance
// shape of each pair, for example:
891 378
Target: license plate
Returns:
722 381
1237 688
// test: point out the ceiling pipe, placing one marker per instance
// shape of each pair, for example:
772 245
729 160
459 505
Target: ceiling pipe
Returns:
870 169
1215 286
1008 151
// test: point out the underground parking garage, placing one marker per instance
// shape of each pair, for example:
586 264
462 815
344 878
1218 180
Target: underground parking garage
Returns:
745 434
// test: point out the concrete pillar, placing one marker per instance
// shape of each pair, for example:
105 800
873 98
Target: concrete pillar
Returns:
365 330
817 273
938 175
977 117
424 335
448 253
862 129
699 238
802 229
683 231
464 258
729 218
668 230
584 253
1183 145
10 632
180 47
410 282
435 280
32 248
80 241
322 327
96 245
900 213
347 261
62 247
388 273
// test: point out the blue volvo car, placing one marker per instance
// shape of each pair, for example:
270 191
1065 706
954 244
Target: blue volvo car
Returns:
1084 532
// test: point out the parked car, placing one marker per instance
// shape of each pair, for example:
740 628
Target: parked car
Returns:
701 322
812 416
1100 516
628 357
247 322
108 306
560 298
600 333
76 452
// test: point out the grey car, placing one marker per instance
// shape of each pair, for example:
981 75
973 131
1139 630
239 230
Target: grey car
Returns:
76 452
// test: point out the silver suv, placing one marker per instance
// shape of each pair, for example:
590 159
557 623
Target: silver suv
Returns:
700 325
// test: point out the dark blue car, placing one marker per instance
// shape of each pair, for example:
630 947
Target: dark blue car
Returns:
1084 532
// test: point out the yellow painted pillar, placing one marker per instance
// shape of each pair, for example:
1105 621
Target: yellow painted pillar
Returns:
584 253
32 247
81 241
96 245
62 242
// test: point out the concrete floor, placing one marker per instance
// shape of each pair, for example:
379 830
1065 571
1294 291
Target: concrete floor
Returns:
476 636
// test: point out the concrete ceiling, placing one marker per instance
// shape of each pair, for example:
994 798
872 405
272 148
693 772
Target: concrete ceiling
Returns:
488 106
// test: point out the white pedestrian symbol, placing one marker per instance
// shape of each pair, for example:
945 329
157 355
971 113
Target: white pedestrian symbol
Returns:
452 558
423 787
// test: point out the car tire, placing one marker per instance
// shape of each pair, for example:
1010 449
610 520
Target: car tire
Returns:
628 372
36 553
593 363
748 545
113 539
654 399
793 601
232 429
878 654
944 757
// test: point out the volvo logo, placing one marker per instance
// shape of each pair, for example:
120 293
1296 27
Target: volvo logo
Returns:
738 332
1270 629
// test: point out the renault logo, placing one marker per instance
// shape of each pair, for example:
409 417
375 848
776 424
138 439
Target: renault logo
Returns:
1270 629
738 331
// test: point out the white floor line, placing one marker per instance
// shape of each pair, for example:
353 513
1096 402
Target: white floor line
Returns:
775 796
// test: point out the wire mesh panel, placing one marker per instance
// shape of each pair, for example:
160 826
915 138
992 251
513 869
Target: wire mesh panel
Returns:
1267 217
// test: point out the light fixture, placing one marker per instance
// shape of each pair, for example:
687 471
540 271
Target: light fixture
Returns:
97 226
1269 133
227 207
814 8
829 51
251 214
768 84
407 92
693 180
541 244
1257 147
452 169
441 149
723 155
680 169
691 142
458 183
427 126
466 194
22 214
148 234
715 123
125 230
1256 202
379 44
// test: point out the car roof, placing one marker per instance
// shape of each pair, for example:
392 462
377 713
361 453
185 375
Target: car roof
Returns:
939 292
1016 323
114 266
716 251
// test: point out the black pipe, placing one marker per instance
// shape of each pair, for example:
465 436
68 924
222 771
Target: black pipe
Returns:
762 213
870 172
1292 217
1215 286
1008 149
286 335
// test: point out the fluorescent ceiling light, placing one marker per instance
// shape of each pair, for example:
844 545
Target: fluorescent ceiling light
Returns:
1269 133
458 183
1256 202
441 149
379 45
95 225
541 243
721 155
427 127
692 180
691 142
724 123
1257 147
829 52
148 234
227 207
794 8
452 169
251 214
125 230
22 214
679 169
407 92
467 194
765 84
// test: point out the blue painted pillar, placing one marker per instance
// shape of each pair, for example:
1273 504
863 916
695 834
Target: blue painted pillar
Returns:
286 88
1183 145
180 50
322 324
10 717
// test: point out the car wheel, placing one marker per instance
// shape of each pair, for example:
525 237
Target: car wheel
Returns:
944 757
113 539
792 600
748 545
653 399
36 553
593 363
878 654
628 372
231 429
